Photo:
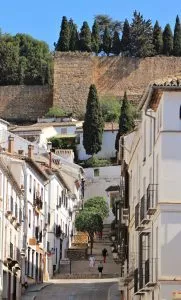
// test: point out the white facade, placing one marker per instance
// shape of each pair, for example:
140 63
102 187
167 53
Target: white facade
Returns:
152 157
98 180
108 145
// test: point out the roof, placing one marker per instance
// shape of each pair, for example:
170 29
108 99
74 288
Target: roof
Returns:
108 126
61 136
113 188
166 83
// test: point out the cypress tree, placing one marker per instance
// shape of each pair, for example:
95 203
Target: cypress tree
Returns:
116 44
126 120
95 39
74 38
64 38
157 38
177 38
141 37
85 38
93 123
167 40
125 41
106 46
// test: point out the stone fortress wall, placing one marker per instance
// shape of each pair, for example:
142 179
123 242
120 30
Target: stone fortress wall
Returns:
73 74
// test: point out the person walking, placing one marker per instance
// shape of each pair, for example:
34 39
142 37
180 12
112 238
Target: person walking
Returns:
91 262
100 268
104 254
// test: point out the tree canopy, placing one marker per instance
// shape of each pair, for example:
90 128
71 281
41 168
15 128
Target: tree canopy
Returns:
167 40
157 38
93 123
177 38
126 120
87 221
24 60
97 205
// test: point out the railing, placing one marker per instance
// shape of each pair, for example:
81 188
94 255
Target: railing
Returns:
137 216
152 198
38 202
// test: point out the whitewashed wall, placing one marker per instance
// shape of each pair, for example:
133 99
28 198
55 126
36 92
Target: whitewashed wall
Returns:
97 185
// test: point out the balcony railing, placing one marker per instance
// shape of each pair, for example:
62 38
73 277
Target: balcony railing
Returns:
152 198
37 202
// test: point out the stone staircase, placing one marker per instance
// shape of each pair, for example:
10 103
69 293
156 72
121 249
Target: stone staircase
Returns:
80 268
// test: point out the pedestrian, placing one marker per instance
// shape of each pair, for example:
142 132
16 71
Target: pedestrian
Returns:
100 268
91 262
104 254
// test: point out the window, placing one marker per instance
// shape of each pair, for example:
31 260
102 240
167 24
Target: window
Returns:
180 112
96 172
30 184
151 134
29 218
64 130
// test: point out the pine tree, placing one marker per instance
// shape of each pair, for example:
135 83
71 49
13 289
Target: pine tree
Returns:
74 37
64 38
125 41
177 38
85 38
93 123
116 44
106 46
141 37
167 40
126 120
95 39
157 38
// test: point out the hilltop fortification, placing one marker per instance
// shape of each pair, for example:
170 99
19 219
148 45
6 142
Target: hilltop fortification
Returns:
73 74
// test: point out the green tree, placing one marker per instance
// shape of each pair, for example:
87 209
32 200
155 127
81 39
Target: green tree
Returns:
104 21
64 37
126 120
55 112
89 222
110 107
9 62
106 45
85 38
74 36
141 36
157 38
93 123
177 38
167 40
95 39
125 41
97 205
116 44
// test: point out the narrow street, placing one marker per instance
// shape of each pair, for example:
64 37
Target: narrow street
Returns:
78 291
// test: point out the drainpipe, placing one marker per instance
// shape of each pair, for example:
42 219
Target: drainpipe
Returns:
153 180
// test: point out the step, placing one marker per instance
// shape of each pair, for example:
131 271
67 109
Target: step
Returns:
84 276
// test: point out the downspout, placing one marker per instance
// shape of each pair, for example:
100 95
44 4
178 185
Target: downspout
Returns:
153 180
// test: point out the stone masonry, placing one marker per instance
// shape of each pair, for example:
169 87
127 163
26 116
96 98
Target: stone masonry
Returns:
73 74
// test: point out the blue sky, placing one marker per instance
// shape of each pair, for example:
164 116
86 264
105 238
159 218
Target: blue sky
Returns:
42 19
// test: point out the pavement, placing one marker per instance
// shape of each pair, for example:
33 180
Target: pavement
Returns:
111 273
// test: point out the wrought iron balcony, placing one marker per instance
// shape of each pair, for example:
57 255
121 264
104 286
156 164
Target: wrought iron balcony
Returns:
138 225
37 202
143 215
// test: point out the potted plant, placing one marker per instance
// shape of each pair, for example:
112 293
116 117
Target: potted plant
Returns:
115 254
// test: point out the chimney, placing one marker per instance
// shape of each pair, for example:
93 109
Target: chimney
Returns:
30 151
11 144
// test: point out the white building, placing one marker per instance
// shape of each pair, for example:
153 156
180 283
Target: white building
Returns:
108 143
103 182
151 166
